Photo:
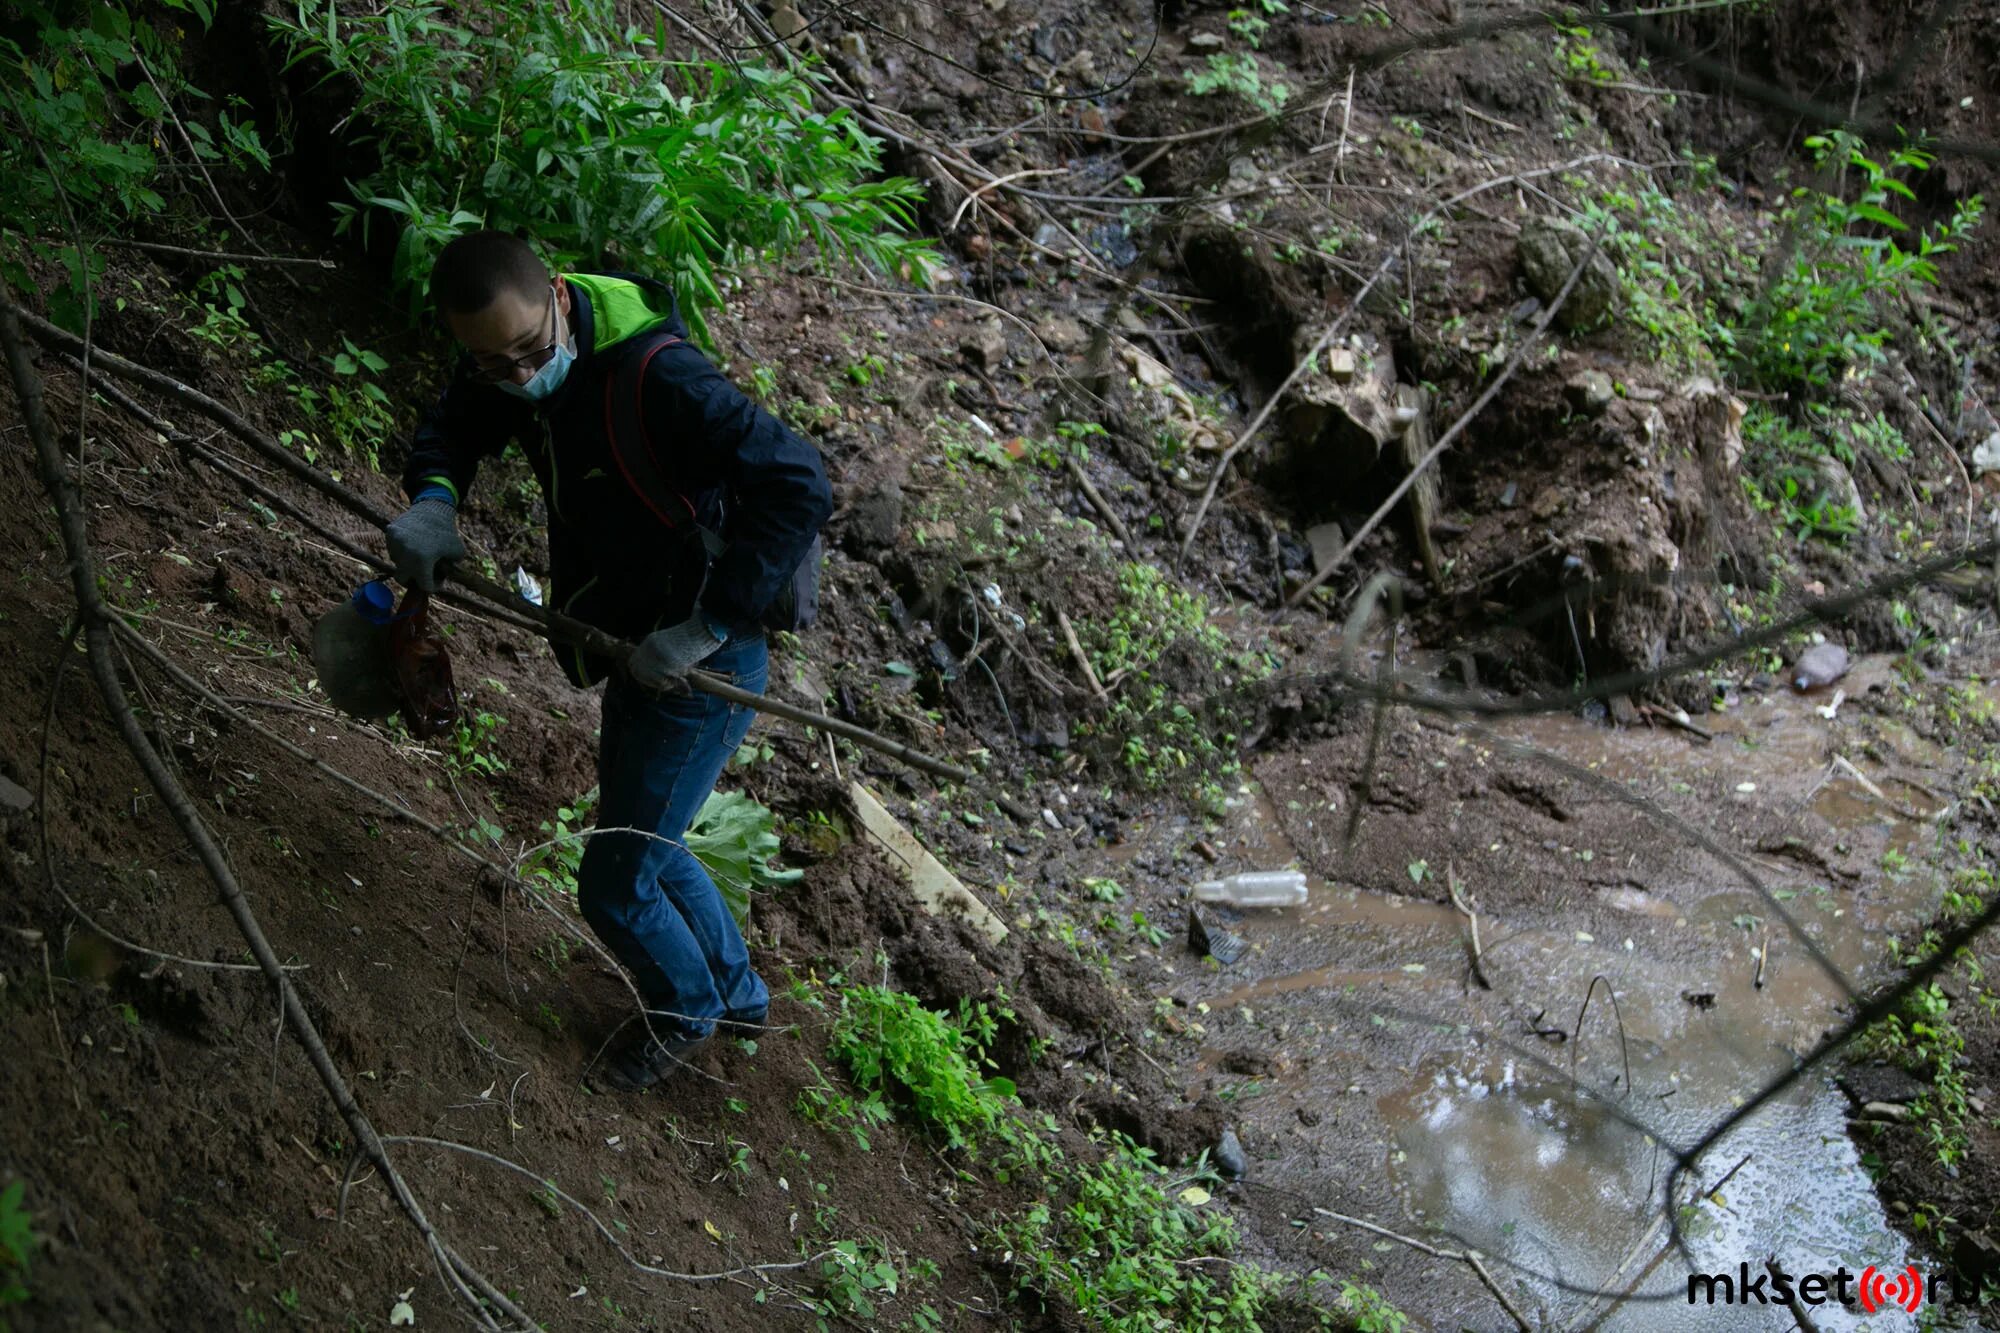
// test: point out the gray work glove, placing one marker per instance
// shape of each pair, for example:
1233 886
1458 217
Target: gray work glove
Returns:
426 533
665 655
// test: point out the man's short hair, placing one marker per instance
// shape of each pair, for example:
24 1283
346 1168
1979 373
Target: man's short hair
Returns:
476 267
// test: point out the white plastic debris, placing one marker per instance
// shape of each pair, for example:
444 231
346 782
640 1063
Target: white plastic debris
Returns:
1986 457
1828 709
527 585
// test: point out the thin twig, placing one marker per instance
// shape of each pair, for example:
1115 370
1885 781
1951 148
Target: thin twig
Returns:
1102 506
545 1183
1082 658
1470 1258
1478 962
158 248
1676 718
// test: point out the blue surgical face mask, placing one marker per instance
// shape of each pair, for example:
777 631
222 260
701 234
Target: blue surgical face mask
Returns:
546 380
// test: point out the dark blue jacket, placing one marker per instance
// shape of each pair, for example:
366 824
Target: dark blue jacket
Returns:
613 562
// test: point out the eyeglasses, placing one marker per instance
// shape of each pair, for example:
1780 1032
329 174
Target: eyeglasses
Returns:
494 371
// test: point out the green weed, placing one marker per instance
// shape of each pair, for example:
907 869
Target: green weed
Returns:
1817 318
890 1043
567 125
17 1245
1236 72
80 126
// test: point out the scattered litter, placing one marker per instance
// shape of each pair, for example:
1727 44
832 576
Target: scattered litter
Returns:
1827 710
713 1230
1986 457
1255 888
402 1312
1746 787
527 585
1585 937
1194 1196
1218 944
1818 667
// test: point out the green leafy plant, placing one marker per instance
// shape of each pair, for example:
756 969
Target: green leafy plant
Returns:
889 1042
854 1275
17 1245
558 122
1817 316
469 748
736 840
1161 741
554 863
1251 25
1236 72
78 137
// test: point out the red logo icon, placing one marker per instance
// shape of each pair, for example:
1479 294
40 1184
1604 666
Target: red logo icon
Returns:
1906 1289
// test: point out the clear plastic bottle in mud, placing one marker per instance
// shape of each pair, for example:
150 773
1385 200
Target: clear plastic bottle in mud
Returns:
1255 888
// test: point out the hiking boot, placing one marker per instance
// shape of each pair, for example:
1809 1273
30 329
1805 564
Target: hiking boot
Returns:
742 1018
640 1061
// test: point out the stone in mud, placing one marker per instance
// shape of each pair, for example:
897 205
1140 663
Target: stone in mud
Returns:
1335 429
986 346
1230 1159
1837 486
1062 333
1549 250
873 520
14 798
1589 392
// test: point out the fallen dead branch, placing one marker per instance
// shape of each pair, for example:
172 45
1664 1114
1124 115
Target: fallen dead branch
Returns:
481 1297
543 1182
1472 918
1082 658
1101 505
1470 1258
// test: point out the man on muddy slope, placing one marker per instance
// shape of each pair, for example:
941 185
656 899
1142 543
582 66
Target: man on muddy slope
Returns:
682 540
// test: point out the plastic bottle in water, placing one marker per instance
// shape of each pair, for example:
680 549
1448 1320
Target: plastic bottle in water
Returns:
1255 888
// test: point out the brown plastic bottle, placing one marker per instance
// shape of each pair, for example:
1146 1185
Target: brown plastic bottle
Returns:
423 668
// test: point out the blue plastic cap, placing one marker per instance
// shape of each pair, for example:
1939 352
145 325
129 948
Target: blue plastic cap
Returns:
375 601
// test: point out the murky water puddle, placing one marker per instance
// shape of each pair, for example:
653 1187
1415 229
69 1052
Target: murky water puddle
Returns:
1558 1189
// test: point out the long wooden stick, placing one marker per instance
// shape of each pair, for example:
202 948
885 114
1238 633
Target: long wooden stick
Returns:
552 623
62 492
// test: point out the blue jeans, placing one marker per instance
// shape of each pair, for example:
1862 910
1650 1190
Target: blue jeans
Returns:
648 898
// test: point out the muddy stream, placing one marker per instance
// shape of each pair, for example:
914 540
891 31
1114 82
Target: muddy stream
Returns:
1372 1048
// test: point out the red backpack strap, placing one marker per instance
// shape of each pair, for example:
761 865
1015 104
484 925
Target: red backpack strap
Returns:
631 443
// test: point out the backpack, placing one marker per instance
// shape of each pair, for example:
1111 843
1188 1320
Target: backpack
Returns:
796 606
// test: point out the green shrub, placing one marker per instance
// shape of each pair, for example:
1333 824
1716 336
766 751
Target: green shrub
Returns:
554 121
1236 72
77 136
888 1041
1817 316
1161 741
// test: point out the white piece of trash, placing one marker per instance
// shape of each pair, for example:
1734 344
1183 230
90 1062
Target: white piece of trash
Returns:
1832 706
